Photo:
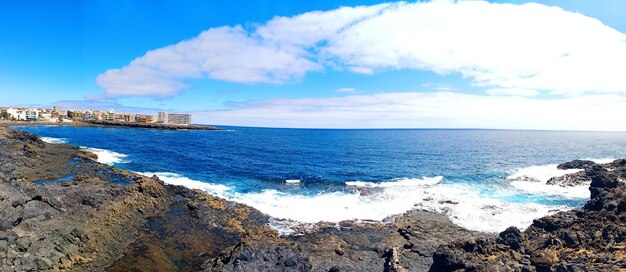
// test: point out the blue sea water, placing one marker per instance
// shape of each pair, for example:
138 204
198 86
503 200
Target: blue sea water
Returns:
360 174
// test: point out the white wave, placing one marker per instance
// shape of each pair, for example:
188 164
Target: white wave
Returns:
467 207
538 188
107 156
397 182
464 204
176 179
534 180
292 181
52 140
540 173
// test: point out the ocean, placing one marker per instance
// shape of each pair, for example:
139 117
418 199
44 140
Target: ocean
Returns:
483 180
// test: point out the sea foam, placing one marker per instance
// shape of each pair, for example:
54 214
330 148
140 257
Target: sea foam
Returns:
464 204
107 156
52 140
176 179
533 179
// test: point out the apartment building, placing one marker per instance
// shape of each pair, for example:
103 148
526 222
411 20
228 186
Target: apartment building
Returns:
174 118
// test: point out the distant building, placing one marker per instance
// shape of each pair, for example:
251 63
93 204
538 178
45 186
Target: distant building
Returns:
110 116
143 118
87 115
174 118
162 117
180 118
46 116
4 114
32 115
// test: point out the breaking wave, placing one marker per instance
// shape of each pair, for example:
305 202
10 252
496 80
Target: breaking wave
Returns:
466 205
51 140
107 156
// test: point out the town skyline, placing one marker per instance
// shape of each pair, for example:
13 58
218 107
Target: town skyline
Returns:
56 114
553 64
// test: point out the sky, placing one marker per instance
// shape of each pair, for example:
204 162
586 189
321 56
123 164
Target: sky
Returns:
556 65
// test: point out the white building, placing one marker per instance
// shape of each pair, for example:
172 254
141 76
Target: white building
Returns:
14 113
179 118
110 115
162 117
32 115
174 118
46 116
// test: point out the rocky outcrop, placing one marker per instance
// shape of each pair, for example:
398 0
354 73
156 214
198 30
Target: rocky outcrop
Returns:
592 238
576 164
570 180
148 125
81 222
61 210
407 244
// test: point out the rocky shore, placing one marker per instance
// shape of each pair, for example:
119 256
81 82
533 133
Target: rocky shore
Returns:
592 238
148 125
60 210
96 123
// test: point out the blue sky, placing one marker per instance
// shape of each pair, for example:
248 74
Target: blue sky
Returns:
54 52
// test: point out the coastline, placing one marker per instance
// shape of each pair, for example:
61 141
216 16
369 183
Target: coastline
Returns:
141 223
112 124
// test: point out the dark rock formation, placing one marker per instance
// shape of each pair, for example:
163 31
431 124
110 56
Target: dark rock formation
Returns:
589 239
405 245
148 125
60 210
576 164
570 180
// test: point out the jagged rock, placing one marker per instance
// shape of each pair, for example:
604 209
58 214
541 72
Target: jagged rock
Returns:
511 237
570 180
589 239
43 263
576 164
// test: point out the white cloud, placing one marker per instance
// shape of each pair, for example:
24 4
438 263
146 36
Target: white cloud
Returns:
495 46
528 46
346 90
273 53
512 92
429 110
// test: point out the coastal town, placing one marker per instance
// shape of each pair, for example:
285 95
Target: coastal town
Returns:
58 115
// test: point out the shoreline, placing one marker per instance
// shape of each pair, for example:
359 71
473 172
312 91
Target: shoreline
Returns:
112 124
143 224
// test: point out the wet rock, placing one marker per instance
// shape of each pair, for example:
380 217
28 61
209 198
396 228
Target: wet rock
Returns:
589 239
576 164
570 180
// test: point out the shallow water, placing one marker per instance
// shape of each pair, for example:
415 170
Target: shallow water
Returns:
360 174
